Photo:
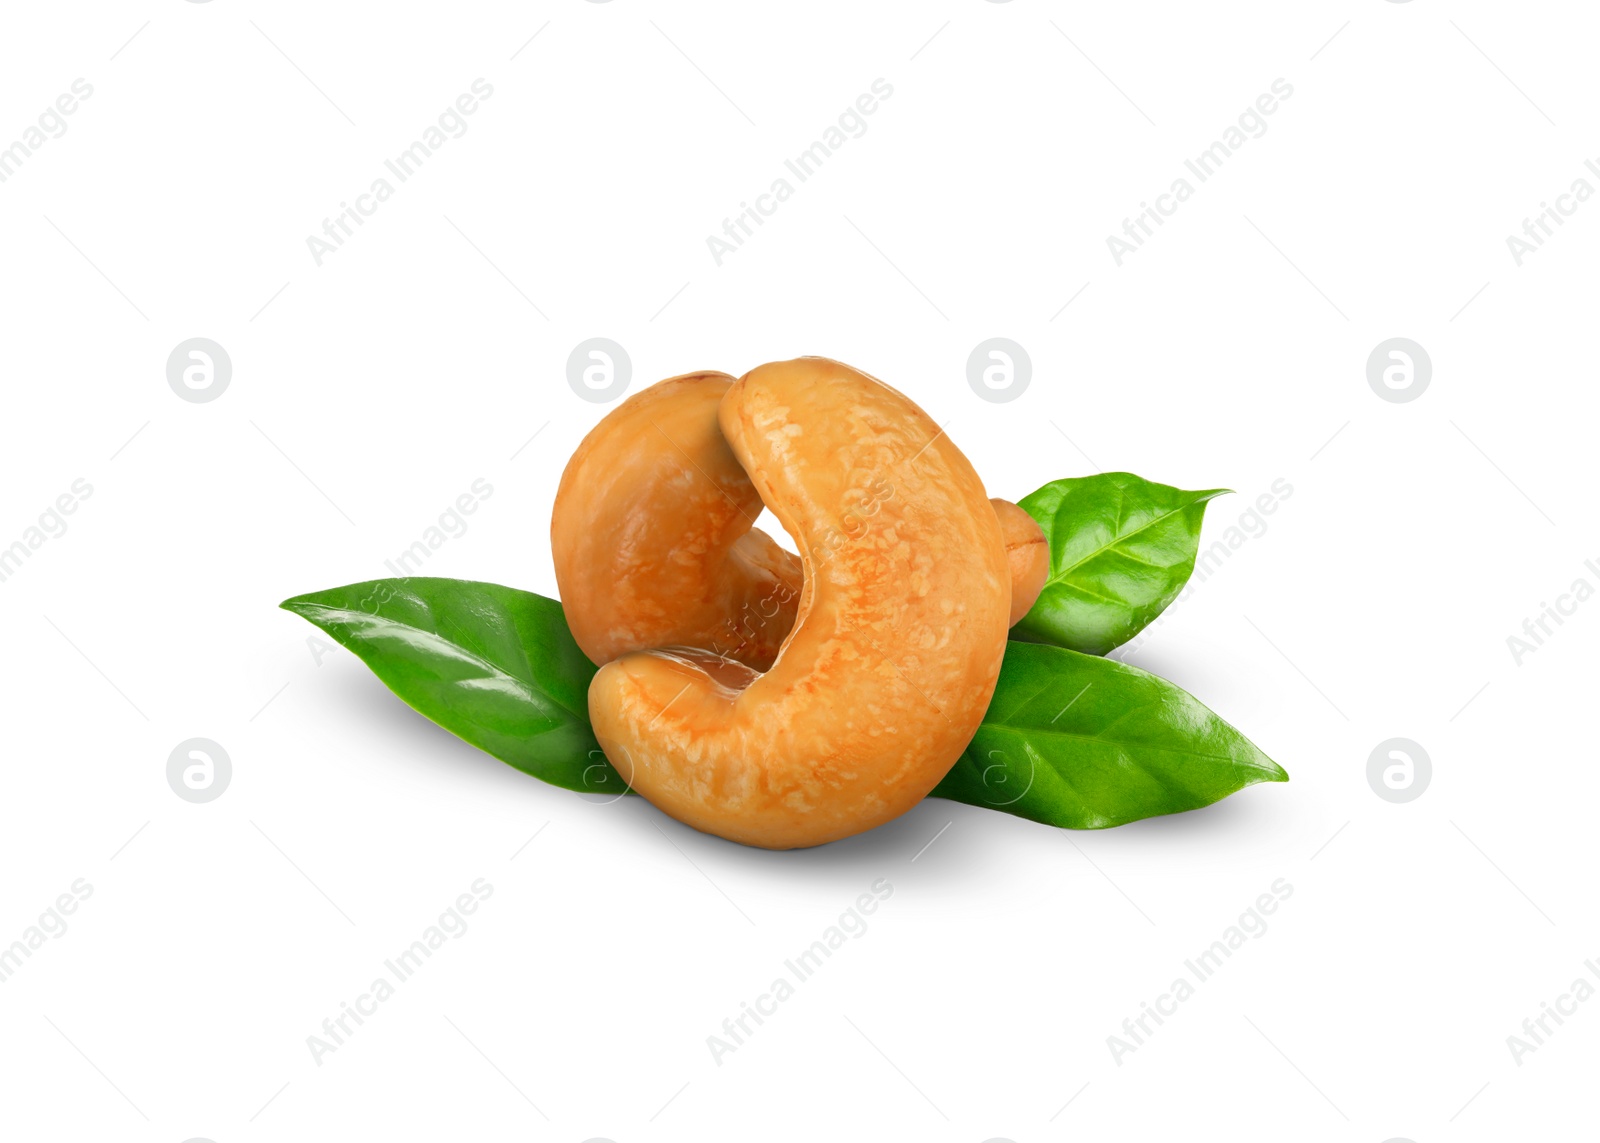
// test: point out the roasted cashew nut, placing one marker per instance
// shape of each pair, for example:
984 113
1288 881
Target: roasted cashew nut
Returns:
1027 554
652 539
876 675
653 546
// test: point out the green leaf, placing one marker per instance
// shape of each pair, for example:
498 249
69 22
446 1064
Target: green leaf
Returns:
492 664
1070 740
1121 549
1082 742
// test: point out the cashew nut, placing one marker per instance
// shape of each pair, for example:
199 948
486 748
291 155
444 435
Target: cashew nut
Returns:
1028 554
653 546
652 540
897 631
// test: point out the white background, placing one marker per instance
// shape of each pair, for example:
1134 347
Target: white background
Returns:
369 392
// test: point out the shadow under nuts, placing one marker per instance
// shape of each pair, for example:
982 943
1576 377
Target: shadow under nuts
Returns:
773 700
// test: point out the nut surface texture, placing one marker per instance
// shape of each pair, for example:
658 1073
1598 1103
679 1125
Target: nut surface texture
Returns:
897 632
652 540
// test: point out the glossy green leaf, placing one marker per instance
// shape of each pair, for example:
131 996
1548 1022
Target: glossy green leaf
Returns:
494 665
1121 549
1082 742
1070 739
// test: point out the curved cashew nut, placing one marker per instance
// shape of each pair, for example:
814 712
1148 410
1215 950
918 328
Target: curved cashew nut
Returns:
653 546
652 539
897 634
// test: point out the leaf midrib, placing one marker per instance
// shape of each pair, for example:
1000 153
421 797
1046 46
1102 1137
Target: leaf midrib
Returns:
1199 497
1035 731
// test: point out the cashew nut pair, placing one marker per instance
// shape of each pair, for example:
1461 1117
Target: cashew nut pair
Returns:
776 701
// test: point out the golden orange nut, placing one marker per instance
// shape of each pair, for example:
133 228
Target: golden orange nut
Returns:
653 545
652 539
897 632
1027 554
